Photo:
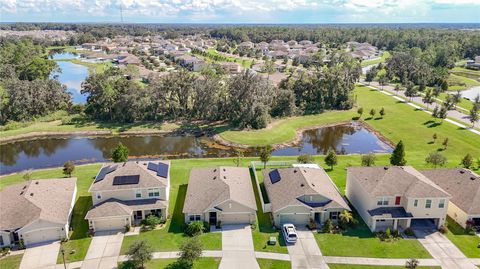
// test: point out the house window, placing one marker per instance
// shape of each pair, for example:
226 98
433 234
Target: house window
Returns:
99 196
155 192
195 217
441 204
428 203
333 215
138 193
1 240
382 201
415 203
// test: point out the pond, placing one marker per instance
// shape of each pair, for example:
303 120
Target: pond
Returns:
471 93
72 75
52 152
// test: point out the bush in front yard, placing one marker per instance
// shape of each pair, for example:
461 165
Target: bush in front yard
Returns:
194 228
443 229
327 226
151 221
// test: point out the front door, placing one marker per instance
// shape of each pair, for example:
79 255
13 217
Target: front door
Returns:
213 218
317 217
138 214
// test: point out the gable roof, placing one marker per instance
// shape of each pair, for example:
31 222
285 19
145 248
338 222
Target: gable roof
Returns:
48 199
462 184
208 187
147 178
396 180
298 181
117 208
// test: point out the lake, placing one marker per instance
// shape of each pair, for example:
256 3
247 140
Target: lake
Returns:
53 152
72 75
471 93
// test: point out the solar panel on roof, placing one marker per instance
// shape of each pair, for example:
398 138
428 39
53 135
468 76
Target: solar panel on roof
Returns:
152 166
274 176
126 180
162 170
104 171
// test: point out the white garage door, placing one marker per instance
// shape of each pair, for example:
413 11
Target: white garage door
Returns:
109 224
297 219
235 218
44 235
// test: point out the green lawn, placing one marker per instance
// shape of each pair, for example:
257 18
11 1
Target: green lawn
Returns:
202 263
381 59
468 244
273 264
458 82
65 48
11 262
464 103
355 266
92 67
243 62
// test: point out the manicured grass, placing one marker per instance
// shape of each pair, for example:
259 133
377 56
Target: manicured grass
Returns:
468 244
381 59
464 103
11 262
243 62
356 266
273 264
459 82
284 130
65 48
360 242
202 263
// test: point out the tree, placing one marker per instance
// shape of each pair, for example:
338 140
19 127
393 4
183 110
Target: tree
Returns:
346 217
27 175
372 112
238 157
139 253
120 153
368 159
305 158
474 115
467 161
327 226
265 153
382 112
412 263
360 112
456 98
194 228
434 137
397 89
68 168
442 113
428 98
331 158
445 143
436 159
382 80
410 90
190 250
398 155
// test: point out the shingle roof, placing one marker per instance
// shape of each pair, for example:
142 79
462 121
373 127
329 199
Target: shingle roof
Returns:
299 181
396 180
390 212
208 187
462 184
115 208
48 199
148 178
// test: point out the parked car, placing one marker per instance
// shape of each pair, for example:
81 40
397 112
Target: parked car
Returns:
289 233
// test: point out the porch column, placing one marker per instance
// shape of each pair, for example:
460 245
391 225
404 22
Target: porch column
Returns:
409 221
374 224
395 224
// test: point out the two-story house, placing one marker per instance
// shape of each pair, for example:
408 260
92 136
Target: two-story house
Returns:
302 194
396 197
125 193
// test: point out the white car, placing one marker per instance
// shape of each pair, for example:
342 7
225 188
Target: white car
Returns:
289 233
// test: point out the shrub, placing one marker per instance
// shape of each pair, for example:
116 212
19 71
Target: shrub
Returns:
443 229
409 232
312 225
21 244
305 158
253 225
194 228
327 226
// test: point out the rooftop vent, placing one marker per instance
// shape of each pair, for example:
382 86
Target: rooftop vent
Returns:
31 194
385 168
294 170
224 170
24 187
472 178
36 183
214 177
124 163
301 185
215 170
462 172
224 177
22 193
313 184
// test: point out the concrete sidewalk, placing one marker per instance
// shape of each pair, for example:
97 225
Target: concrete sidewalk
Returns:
377 261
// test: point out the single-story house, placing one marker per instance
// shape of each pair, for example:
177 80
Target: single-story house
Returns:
464 186
302 194
36 211
220 195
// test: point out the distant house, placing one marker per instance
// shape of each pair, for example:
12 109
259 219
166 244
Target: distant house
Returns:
302 194
474 64
246 45
396 197
464 186
91 46
36 211
305 42
123 194
232 68
129 59
220 195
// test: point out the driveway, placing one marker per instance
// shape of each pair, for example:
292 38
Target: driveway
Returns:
305 253
237 248
40 256
103 251
443 250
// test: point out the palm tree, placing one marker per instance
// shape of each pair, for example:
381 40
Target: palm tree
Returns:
346 217
412 263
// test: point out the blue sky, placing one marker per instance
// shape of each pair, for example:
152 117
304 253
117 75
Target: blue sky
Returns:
242 11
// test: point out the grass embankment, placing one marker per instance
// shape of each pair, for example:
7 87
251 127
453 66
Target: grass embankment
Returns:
458 82
96 68
202 263
273 264
378 60
11 262
70 49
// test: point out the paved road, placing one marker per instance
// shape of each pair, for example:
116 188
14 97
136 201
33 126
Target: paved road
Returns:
443 250
305 253
41 256
103 251
237 248
454 114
